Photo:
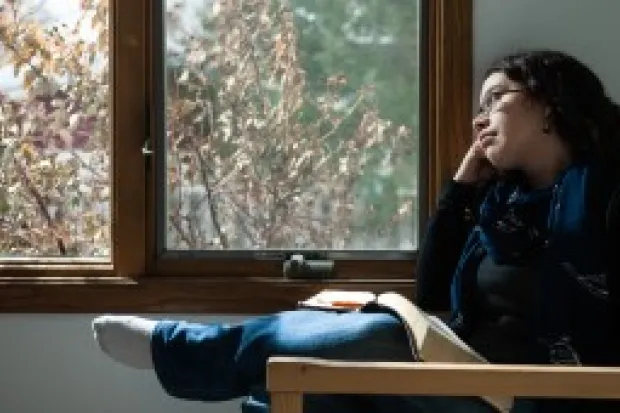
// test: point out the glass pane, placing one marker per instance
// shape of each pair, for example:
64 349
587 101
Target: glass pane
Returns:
291 124
54 129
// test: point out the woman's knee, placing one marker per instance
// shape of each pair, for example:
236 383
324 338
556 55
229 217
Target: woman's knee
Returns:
352 335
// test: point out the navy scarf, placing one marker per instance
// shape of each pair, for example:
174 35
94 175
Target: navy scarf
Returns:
513 224
560 231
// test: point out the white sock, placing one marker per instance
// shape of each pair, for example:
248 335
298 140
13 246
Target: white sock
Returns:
126 339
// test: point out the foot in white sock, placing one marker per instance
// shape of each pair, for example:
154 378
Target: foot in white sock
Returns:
126 339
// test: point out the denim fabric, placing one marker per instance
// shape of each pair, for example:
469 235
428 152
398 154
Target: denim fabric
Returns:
215 362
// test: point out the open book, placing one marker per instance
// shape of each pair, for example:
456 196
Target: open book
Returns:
429 337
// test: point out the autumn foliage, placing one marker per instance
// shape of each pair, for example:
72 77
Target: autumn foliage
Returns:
55 135
255 158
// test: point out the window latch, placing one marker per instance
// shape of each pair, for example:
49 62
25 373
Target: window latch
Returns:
298 267
147 150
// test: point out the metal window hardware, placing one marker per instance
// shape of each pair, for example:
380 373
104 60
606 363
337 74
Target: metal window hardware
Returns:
298 267
147 150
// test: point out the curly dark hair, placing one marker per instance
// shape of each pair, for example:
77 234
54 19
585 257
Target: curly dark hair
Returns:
581 111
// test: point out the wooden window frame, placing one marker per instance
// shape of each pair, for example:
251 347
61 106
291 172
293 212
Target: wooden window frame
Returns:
141 281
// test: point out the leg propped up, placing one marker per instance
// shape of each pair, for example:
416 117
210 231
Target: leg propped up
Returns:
126 339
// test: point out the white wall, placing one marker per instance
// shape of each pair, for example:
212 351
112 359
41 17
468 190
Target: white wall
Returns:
50 364
590 30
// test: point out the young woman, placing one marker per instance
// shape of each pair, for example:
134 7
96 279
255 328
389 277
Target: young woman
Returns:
520 251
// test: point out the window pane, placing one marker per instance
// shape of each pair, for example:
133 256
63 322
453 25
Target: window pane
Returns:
291 124
54 129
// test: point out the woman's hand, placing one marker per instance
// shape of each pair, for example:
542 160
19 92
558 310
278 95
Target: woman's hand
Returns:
475 168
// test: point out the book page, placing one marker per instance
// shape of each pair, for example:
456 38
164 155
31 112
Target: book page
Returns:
447 332
338 300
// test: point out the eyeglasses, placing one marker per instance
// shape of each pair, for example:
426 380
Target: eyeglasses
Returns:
493 99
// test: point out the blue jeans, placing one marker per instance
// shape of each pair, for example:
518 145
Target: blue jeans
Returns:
215 362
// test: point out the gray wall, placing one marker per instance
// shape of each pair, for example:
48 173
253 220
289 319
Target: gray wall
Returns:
588 29
50 364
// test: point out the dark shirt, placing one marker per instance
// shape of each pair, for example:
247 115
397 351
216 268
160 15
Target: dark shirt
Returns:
506 301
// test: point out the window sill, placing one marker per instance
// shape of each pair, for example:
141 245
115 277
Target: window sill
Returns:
170 295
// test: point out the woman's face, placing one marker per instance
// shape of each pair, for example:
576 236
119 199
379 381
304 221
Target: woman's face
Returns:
510 124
